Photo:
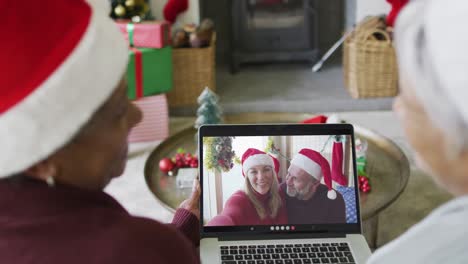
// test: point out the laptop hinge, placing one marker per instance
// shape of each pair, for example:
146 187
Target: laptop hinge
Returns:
280 236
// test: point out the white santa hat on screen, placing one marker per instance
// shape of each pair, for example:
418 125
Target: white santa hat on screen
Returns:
317 166
58 67
254 157
430 40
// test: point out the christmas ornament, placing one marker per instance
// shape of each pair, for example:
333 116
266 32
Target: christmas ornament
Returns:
181 159
166 165
119 11
130 4
135 10
364 185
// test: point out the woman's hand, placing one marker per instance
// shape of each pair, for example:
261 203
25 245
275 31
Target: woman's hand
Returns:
192 203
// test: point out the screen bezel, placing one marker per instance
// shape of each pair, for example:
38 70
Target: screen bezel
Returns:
277 130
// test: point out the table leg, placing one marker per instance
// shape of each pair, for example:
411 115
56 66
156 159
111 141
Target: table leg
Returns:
370 230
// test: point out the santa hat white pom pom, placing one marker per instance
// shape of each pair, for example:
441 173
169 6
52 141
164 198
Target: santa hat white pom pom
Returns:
331 194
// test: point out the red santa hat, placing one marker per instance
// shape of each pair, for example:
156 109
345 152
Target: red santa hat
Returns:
253 157
59 66
317 166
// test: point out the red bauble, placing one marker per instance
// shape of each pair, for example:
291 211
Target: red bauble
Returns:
166 165
179 164
194 164
366 189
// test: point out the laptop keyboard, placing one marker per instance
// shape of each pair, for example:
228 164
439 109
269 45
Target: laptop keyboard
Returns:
287 254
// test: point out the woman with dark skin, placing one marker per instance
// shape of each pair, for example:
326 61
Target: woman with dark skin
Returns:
52 205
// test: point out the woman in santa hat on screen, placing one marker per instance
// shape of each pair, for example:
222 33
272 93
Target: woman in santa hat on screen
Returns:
64 122
260 202
431 39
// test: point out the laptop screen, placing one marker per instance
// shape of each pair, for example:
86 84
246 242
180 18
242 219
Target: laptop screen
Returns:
278 179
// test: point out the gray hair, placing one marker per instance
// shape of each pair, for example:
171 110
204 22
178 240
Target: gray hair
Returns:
430 38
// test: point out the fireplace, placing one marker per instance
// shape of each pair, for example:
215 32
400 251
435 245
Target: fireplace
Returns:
272 31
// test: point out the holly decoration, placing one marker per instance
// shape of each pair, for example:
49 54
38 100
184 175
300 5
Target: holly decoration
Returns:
181 159
219 154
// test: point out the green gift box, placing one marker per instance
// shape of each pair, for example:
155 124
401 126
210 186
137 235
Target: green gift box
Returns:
149 72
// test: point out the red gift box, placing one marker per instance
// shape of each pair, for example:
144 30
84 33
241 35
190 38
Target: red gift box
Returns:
155 123
154 34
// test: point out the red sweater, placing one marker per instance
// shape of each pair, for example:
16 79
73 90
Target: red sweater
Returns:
63 224
239 210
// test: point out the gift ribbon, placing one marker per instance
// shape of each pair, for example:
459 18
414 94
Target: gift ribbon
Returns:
130 29
138 72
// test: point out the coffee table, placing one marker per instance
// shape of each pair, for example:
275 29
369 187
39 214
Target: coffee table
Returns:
387 166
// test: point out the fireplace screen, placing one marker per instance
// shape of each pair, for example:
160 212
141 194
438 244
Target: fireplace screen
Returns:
273 30
275 14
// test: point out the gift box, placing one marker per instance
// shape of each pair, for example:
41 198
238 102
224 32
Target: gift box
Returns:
149 72
153 34
155 123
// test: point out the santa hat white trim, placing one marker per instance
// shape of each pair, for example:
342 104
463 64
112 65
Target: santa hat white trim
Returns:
308 165
50 116
257 159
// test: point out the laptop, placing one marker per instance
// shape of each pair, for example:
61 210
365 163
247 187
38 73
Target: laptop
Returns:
301 237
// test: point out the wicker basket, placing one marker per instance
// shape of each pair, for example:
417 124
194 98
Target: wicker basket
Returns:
194 69
369 63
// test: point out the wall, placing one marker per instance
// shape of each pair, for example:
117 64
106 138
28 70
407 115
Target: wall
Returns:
371 7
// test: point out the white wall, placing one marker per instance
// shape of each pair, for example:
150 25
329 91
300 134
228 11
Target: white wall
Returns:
371 7
192 15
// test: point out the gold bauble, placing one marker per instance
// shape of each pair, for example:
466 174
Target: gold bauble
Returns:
130 3
119 11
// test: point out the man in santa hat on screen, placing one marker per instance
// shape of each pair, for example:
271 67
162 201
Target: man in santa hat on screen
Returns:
308 200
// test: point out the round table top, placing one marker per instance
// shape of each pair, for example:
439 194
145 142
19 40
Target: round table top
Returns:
386 163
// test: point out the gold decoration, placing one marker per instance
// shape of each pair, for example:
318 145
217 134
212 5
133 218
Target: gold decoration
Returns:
119 11
130 4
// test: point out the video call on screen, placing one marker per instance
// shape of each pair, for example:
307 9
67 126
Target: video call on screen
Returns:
252 192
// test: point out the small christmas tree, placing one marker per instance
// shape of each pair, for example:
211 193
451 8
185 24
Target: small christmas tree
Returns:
136 10
209 111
